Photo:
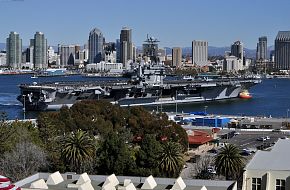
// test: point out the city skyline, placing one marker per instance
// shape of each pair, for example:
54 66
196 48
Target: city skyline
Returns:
220 23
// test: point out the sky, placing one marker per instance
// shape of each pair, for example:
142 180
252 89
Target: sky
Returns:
174 22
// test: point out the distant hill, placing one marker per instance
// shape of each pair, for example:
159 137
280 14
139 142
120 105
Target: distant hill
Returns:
2 46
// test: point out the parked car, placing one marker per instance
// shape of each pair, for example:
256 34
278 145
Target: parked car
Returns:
245 152
214 151
276 130
267 137
284 137
211 170
237 133
261 139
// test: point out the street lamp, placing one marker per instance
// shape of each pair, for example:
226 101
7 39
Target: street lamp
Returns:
205 107
176 102
24 106
287 118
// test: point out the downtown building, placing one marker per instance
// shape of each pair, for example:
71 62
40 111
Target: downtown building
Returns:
95 46
237 50
176 57
39 44
67 55
13 50
199 53
282 50
261 53
126 45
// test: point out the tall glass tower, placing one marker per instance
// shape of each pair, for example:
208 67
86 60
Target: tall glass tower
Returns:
39 51
96 40
282 50
14 50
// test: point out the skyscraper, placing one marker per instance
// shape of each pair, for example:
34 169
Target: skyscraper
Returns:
14 50
176 56
282 50
96 40
126 46
39 51
237 50
199 52
67 55
262 49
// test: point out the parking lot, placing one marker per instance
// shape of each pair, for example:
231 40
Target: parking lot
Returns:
248 139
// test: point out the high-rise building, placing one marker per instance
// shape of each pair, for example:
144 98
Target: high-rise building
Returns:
261 54
282 50
118 51
67 55
96 40
13 50
176 57
126 46
39 51
199 52
237 50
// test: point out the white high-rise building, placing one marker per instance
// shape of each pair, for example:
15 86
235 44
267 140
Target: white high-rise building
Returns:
13 50
199 53
40 51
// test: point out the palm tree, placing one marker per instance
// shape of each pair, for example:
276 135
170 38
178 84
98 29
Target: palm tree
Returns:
78 147
171 159
229 162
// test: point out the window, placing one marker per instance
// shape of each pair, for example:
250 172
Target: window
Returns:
256 183
280 184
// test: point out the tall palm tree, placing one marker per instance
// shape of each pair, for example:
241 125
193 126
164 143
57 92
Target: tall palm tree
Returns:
78 147
171 159
229 162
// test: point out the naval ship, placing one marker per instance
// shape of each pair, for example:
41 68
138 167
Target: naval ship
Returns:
147 88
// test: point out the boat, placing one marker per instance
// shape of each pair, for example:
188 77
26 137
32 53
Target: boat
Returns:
147 87
245 94
34 77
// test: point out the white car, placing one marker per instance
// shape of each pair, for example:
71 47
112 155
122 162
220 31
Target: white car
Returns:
211 170
267 137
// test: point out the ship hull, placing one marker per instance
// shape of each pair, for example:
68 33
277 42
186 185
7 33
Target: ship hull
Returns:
54 96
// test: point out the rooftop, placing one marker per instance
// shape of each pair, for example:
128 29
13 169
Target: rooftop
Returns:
57 181
275 159
283 35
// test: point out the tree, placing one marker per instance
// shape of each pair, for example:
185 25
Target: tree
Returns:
114 155
171 159
77 148
229 162
24 160
201 168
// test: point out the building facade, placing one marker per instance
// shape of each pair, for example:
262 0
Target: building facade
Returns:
176 57
39 51
269 169
67 55
282 50
199 53
13 50
96 40
261 53
2 59
126 45
237 50
232 64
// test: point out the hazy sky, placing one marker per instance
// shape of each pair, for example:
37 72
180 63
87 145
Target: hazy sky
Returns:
173 22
